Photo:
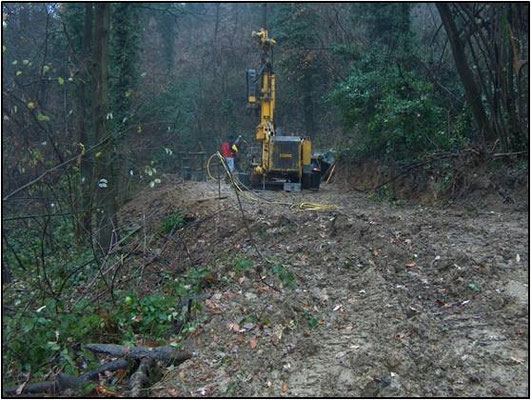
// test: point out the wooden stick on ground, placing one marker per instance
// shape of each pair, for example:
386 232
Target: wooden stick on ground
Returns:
209 198
331 173
328 171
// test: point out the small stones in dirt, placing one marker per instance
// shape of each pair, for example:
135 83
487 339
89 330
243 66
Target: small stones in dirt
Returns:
394 264
250 296
391 385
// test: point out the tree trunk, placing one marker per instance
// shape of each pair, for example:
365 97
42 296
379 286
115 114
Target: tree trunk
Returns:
105 173
84 224
472 92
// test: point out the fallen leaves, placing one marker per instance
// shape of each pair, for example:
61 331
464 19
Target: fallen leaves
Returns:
253 343
103 391
278 332
233 326
263 289
284 388
213 306
229 295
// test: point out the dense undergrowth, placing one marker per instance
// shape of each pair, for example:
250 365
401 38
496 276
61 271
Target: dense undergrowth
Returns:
51 312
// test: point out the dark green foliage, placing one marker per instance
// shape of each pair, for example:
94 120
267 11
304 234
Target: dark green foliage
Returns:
388 24
48 332
125 44
151 316
300 68
312 321
172 223
36 338
391 113
390 109
243 264
173 106
66 261
286 277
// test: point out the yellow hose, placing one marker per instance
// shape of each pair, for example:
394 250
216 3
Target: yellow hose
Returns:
249 196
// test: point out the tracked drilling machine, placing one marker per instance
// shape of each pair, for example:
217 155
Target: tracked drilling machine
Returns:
282 160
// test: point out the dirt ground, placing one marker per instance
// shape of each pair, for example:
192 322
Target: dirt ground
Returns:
384 300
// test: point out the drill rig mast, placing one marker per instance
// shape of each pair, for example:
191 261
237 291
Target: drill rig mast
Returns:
283 158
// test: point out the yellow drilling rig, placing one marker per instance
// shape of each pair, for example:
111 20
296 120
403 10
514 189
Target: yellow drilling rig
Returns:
283 160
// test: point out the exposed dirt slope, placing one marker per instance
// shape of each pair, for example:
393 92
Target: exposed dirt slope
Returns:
407 301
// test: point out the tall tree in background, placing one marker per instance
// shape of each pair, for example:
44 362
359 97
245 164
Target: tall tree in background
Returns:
471 89
167 30
86 135
296 27
489 43
105 170
124 84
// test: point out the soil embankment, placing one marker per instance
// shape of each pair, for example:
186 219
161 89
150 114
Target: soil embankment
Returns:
372 299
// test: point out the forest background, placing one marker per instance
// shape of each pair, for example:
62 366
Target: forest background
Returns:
99 101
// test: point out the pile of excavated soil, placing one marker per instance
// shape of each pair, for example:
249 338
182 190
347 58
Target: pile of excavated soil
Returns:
382 301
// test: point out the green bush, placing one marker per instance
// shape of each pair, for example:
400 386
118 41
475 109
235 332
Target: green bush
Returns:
34 339
391 114
172 223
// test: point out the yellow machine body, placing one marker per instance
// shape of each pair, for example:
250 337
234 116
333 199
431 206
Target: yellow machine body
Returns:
285 157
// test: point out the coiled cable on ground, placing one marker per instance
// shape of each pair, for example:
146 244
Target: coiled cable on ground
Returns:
247 194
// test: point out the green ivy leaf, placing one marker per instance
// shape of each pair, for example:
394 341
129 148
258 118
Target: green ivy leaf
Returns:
19 73
53 346
41 117
60 80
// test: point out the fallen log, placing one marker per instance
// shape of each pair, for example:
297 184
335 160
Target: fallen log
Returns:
141 377
65 381
163 353
51 387
110 366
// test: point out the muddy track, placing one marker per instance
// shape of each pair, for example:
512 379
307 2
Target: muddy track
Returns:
410 301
